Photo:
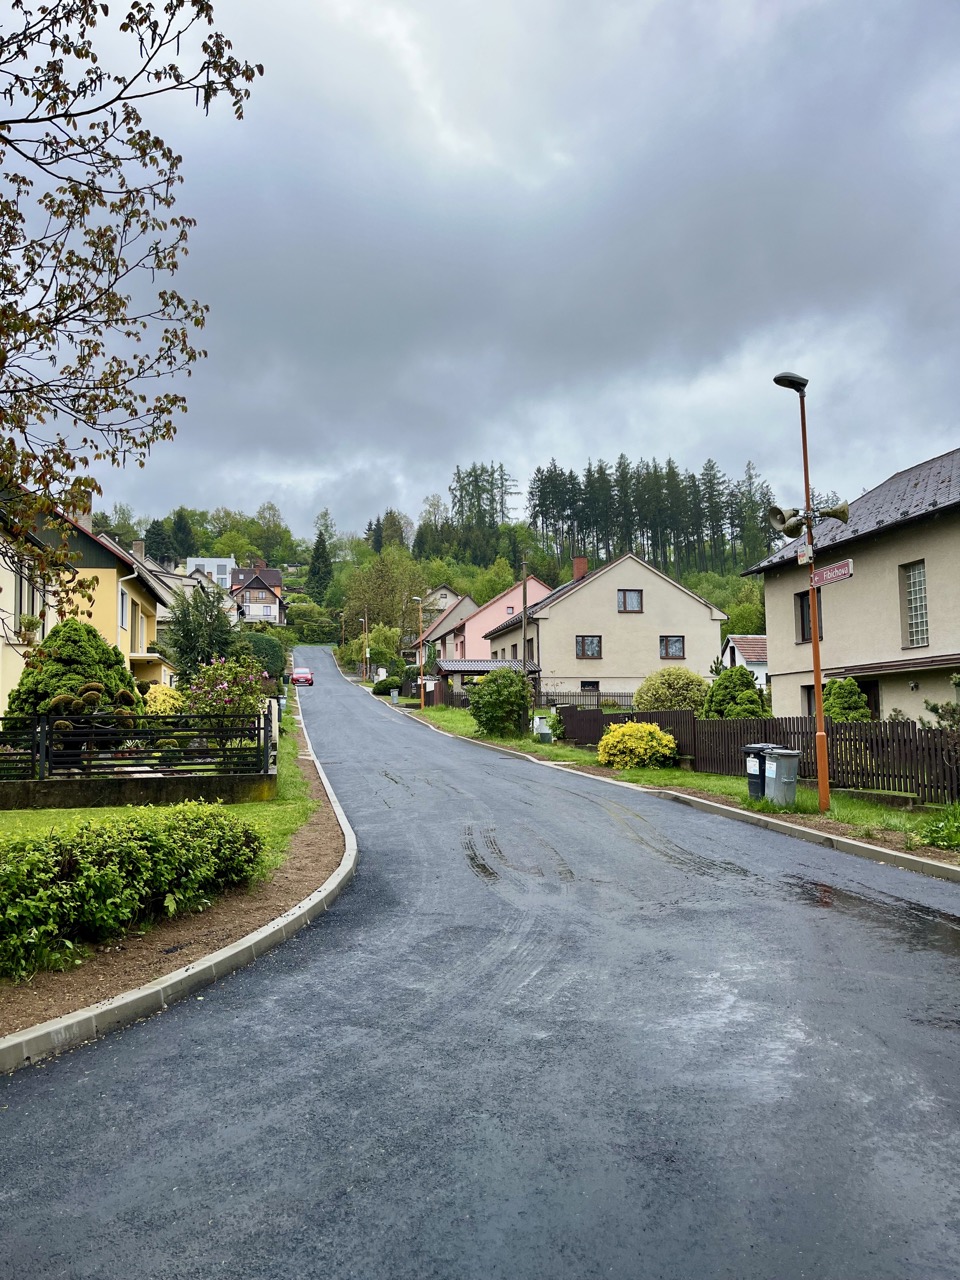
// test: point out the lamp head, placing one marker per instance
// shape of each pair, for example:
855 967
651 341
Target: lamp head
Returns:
793 382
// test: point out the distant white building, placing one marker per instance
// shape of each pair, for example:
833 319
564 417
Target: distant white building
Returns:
219 568
749 652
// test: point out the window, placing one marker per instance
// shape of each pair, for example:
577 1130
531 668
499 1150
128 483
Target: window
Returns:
261 595
246 597
513 651
135 627
672 647
222 582
509 609
589 686
629 601
589 647
801 615
529 648
124 607
267 610
221 570
913 605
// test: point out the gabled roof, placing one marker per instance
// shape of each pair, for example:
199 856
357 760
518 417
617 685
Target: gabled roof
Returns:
259 582
490 603
568 588
432 628
243 576
908 495
750 648
153 582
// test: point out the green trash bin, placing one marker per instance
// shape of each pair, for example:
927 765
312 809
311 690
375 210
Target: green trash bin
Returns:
780 773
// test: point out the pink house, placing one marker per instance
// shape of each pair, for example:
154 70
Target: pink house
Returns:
464 637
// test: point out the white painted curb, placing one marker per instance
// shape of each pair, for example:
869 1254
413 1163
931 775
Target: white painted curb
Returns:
30 1045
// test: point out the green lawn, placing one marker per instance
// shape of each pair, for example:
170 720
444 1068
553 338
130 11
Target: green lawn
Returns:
276 819
864 818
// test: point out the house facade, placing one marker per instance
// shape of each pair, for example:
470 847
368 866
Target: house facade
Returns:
465 638
219 568
894 623
610 628
749 652
258 593
18 599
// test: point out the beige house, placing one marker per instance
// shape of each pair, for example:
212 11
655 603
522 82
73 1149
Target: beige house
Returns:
894 625
608 629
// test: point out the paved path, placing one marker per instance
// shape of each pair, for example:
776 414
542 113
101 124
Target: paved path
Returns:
555 1028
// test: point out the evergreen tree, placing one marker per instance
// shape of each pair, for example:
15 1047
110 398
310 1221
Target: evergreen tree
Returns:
157 542
182 537
320 571
198 632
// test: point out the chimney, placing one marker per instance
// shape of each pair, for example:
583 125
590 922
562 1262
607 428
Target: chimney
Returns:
580 564
84 519
210 574
138 549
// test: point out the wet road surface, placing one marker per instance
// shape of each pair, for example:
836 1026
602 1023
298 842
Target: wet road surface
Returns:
554 1028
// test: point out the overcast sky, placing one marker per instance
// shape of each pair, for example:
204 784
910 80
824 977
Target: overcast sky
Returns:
451 231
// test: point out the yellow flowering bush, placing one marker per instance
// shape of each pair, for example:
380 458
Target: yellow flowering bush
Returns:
637 745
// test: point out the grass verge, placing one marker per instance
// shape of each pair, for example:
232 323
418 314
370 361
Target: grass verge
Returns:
864 818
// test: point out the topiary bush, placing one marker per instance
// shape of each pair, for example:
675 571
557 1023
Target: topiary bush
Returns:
164 701
725 691
637 745
746 706
672 689
502 704
63 890
74 658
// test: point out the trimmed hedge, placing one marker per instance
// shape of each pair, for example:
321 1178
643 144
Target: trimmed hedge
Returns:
636 745
61 891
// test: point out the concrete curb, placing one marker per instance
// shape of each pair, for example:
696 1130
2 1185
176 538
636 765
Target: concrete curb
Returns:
25 1047
841 844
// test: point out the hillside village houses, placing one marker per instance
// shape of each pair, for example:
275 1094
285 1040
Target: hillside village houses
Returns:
459 636
609 628
258 593
894 625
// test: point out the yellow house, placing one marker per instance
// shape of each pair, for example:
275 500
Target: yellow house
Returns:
123 610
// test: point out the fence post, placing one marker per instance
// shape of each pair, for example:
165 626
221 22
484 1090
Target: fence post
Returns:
266 725
40 743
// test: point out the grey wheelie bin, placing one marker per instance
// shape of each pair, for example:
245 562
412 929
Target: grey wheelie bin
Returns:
780 774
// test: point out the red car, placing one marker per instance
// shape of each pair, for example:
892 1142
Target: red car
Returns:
301 675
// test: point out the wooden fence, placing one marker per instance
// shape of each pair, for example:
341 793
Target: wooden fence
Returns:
880 755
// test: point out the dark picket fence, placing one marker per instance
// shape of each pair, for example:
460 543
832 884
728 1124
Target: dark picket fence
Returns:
41 747
880 755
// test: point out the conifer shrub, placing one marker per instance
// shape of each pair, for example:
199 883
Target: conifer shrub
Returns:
637 745
74 659
726 690
844 701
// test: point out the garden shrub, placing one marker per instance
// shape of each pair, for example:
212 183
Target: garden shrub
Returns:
637 745
845 702
224 688
502 703
746 706
384 686
164 701
74 659
672 689
726 689
63 890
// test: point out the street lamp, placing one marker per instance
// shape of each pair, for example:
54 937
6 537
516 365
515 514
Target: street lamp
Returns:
362 617
420 648
791 523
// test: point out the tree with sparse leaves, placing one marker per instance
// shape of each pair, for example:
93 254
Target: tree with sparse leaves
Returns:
90 239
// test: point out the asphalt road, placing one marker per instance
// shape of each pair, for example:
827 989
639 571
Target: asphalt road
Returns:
554 1028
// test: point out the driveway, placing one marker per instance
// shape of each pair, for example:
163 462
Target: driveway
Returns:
555 1028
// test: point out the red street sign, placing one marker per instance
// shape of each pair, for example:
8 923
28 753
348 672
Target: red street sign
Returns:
832 573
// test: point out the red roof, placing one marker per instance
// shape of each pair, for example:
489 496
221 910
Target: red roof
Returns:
750 648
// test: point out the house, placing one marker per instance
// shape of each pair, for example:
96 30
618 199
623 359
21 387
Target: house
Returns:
749 652
609 628
438 601
19 598
220 568
464 637
258 592
894 623
452 616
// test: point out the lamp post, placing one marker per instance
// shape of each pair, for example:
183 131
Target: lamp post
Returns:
793 382
366 653
420 647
